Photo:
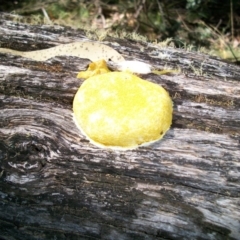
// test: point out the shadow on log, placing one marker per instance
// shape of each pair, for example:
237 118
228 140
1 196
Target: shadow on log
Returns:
56 185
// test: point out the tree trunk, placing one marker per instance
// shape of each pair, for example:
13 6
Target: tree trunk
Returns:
54 184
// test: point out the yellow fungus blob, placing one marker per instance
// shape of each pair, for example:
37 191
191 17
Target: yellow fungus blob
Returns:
94 68
119 110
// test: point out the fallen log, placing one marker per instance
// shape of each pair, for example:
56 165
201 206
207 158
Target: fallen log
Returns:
55 184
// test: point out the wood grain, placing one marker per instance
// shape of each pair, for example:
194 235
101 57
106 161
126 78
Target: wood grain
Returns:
55 184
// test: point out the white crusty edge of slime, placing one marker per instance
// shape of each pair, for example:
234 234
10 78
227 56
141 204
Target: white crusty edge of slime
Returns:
130 66
93 51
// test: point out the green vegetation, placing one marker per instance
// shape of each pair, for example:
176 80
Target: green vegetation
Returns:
210 25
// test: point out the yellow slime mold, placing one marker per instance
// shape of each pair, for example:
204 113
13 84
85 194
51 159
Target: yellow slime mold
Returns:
121 111
95 68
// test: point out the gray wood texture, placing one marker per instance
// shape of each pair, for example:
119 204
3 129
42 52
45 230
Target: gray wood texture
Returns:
54 184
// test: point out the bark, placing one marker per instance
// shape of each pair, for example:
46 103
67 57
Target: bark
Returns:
54 184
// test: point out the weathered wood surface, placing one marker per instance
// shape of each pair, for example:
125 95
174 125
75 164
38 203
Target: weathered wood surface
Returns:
55 185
